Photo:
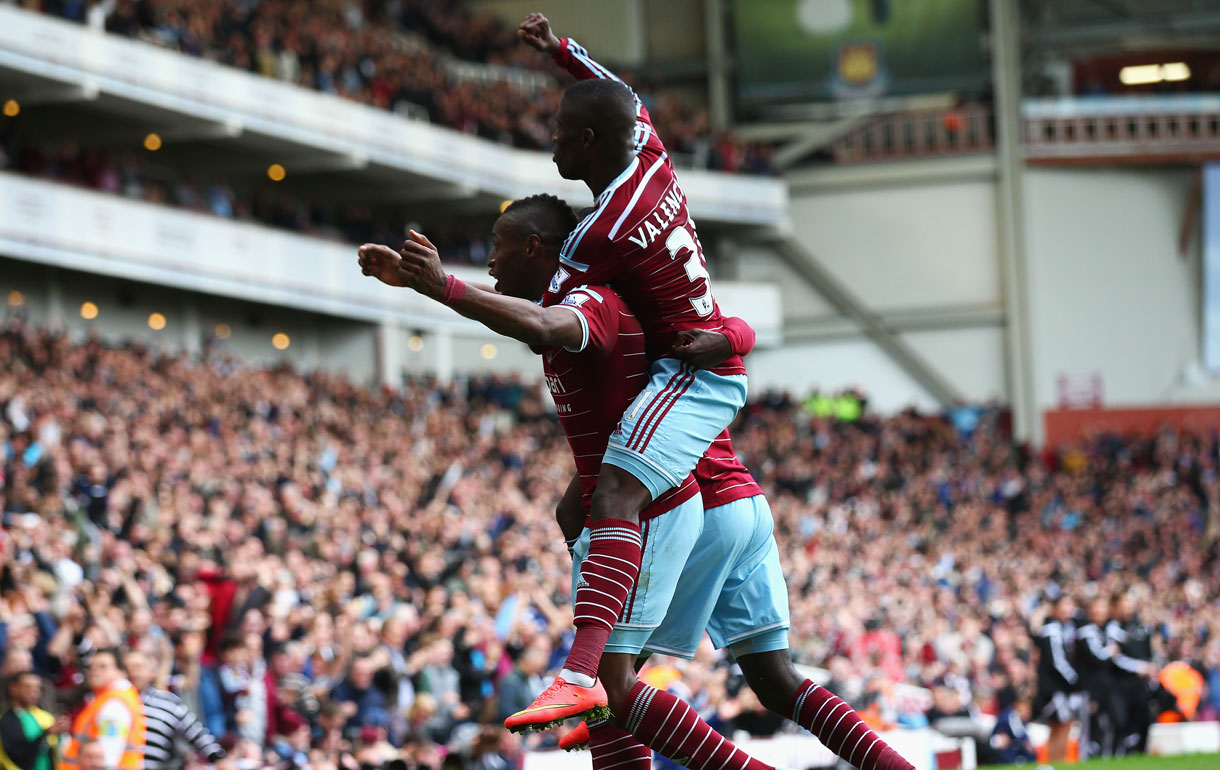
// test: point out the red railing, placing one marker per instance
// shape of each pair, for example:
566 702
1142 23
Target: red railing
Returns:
1087 130
927 133
1135 136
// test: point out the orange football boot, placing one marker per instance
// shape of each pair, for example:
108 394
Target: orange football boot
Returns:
576 740
558 702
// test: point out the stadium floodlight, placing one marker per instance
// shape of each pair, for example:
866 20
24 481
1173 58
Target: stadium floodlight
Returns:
1140 75
1175 71
1146 74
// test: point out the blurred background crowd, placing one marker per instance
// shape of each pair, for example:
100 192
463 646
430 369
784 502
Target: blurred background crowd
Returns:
402 55
330 576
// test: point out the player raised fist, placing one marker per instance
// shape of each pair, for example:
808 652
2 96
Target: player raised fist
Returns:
420 266
537 34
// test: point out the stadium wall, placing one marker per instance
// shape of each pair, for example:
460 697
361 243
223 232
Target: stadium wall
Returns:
907 235
915 242
1110 293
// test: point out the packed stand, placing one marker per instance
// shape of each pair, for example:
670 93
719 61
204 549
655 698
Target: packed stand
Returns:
329 576
393 55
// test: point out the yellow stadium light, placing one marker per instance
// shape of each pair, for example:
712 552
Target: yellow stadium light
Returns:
222 331
1140 75
156 322
1175 71
488 351
415 343
504 205
15 298
280 341
11 108
276 173
88 311
152 142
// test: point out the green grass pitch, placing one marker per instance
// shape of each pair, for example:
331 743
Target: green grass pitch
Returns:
1190 762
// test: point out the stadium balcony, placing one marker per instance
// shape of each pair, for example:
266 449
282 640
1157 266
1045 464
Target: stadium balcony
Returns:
63 226
46 60
216 121
1090 129
1126 129
965 130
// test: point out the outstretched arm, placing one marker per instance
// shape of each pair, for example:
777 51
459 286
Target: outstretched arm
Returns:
418 266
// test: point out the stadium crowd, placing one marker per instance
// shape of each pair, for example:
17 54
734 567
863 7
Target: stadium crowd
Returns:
394 55
331 576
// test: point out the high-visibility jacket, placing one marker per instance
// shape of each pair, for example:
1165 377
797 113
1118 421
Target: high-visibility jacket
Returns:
114 718
1186 685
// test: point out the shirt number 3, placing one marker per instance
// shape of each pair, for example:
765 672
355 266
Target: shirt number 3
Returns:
679 240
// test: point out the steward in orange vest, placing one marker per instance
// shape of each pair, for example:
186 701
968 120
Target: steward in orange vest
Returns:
114 717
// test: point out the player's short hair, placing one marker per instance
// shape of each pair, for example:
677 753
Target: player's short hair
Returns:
606 106
545 216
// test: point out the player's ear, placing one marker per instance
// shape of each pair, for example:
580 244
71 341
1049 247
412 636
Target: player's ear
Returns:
587 137
533 245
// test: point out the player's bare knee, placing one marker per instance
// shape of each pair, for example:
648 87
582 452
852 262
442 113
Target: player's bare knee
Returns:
619 495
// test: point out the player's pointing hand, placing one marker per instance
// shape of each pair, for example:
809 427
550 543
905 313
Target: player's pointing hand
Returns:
420 266
381 262
536 32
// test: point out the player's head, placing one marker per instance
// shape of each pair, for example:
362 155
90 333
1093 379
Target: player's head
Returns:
595 122
526 240
1122 606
